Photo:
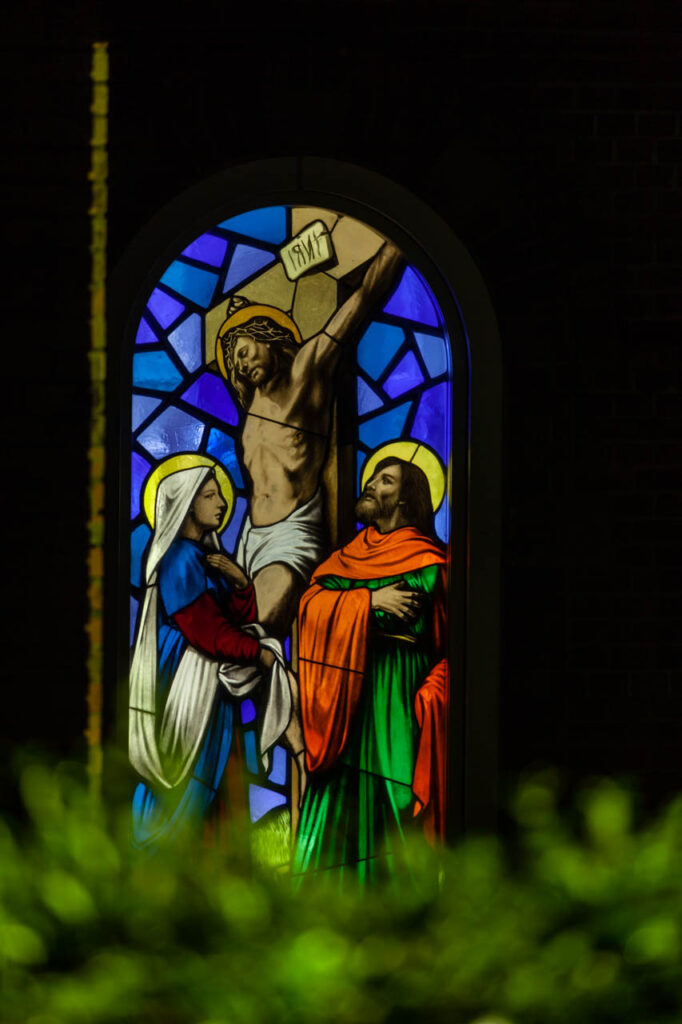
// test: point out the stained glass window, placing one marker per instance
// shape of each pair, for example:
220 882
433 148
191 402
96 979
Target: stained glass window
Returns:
290 517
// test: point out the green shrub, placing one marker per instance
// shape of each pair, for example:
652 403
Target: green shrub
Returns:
578 923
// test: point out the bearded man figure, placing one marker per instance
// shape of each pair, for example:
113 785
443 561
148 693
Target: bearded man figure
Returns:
374 685
287 389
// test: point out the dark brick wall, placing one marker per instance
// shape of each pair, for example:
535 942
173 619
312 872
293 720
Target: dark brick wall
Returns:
548 135
44 160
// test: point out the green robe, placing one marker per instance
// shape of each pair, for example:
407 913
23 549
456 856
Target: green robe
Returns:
357 814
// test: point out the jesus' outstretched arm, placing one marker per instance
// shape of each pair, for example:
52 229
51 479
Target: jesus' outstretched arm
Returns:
321 353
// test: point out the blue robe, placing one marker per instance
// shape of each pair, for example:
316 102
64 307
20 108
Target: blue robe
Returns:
161 814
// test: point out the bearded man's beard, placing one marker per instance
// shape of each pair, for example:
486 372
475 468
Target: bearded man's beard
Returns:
368 509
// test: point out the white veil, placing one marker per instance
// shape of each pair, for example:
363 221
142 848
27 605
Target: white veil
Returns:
167 760
173 499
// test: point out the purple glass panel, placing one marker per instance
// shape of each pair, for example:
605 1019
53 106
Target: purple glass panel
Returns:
139 468
368 401
172 431
246 260
145 335
432 422
134 605
186 340
262 800
278 772
143 407
165 308
442 520
434 352
411 300
209 393
406 375
233 528
207 248
248 711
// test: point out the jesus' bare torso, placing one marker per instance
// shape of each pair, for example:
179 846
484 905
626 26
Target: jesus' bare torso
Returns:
285 434
285 444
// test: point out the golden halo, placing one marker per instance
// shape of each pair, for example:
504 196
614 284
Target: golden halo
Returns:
187 460
247 313
411 451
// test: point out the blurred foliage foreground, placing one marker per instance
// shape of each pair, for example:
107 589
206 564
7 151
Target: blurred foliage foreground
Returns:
578 919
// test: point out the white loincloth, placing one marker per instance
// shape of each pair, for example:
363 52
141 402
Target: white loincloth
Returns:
298 541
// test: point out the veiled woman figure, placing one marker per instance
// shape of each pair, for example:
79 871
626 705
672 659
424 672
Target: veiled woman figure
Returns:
197 652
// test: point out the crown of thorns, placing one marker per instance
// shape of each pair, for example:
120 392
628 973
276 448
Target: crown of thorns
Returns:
259 328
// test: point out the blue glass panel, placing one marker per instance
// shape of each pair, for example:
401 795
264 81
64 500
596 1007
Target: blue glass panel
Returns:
262 800
222 448
432 422
229 536
434 352
245 261
134 605
248 710
269 224
278 772
209 393
186 340
172 431
411 299
387 426
139 539
368 401
145 335
139 468
207 248
287 648
191 282
156 371
165 308
442 521
210 764
376 348
143 407
405 376
250 751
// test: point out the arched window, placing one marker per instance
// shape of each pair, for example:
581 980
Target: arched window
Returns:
297 367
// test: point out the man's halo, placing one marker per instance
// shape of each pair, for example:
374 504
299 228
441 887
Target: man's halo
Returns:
187 460
410 451
248 313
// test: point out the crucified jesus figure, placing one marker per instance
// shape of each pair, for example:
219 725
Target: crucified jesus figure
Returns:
287 391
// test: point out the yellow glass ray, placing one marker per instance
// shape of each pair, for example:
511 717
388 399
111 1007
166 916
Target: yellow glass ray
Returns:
187 460
247 313
411 451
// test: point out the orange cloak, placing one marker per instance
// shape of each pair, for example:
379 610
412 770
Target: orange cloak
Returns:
333 638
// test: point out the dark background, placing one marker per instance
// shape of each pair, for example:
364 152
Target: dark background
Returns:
547 134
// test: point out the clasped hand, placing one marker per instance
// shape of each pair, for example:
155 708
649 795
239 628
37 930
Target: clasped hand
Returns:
229 569
397 600
234 574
